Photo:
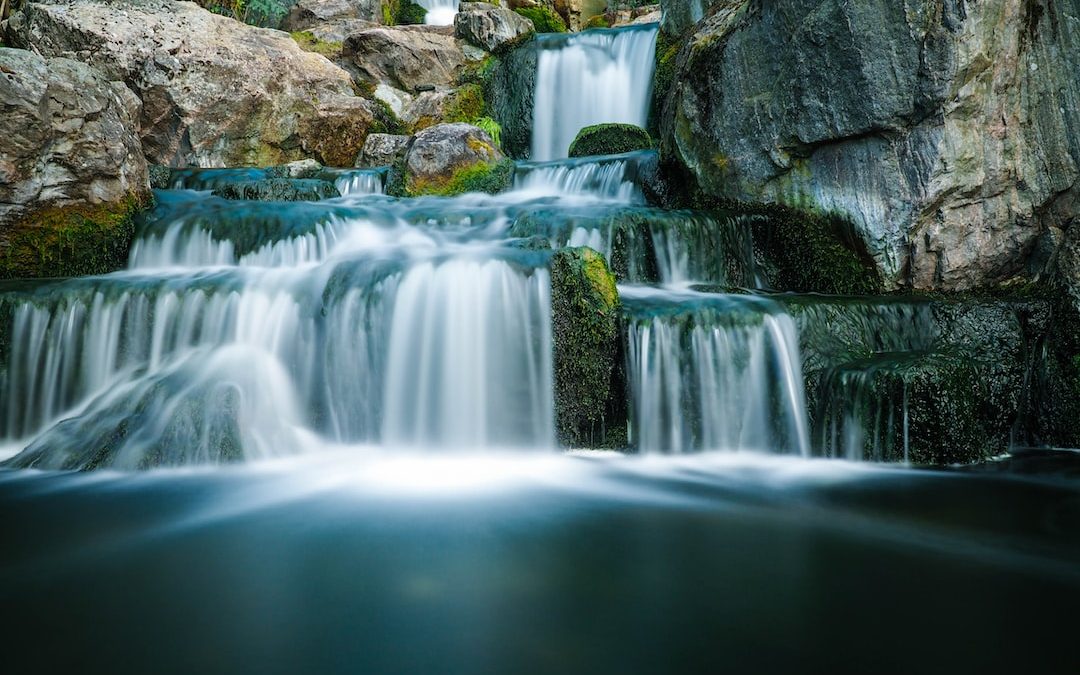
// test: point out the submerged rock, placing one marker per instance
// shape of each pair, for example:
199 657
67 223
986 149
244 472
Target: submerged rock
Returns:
215 92
279 190
948 135
609 139
448 159
66 197
585 330
489 27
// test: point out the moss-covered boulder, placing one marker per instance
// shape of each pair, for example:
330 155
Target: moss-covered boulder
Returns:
585 313
609 139
544 19
450 159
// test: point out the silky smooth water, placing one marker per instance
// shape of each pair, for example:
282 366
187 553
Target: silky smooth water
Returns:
602 75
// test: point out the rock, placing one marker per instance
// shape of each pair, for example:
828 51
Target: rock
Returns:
543 19
72 173
383 150
509 93
681 15
307 14
609 139
407 58
215 92
949 137
452 158
572 13
585 331
279 190
488 27
301 168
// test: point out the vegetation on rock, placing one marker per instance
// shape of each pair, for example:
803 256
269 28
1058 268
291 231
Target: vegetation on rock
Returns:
309 43
480 177
73 240
585 310
265 13
609 139
545 20
402 13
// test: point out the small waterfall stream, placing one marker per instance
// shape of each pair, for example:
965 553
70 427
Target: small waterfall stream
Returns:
588 78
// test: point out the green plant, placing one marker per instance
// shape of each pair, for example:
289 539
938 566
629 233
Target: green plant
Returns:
309 43
402 13
598 21
492 128
266 13
544 20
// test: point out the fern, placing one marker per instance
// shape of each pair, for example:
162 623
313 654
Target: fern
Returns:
492 128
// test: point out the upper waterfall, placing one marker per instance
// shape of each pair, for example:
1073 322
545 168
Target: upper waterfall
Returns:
589 78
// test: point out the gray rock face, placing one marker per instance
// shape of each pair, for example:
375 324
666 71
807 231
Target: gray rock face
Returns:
409 58
510 94
67 135
383 150
490 27
279 190
680 15
308 13
215 92
440 151
949 135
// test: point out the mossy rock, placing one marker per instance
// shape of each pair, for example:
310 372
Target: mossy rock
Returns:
466 104
598 21
609 139
309 43
589 402
509 83
486 177
544 20
279 190
402 13
73 240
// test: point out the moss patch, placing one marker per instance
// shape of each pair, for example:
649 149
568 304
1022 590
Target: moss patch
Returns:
585 310
544 20
76 240
402 13
309 43
598 21
479 177
609 139
466 104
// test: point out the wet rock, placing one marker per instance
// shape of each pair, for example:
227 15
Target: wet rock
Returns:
490 28
509 91
609 139
681 15
279 190
408 58
215 92
383 150
450 159
66 196
949 136
585 311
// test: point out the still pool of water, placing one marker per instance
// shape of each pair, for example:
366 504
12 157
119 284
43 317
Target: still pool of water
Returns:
361 562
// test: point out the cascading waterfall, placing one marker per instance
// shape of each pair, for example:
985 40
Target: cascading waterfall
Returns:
713 372
588 78
360 182
439 12
613 177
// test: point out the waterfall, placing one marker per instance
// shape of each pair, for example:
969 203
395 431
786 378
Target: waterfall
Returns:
439 12
360 182
588 78
713 372
615 177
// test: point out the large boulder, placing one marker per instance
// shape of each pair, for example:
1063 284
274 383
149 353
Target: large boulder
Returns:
215 92
408 58
949 134
490 27
72 171
452 158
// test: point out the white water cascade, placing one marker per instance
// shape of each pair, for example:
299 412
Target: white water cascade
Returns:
589 78
439 12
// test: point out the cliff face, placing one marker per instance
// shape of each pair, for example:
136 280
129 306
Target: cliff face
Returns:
947 131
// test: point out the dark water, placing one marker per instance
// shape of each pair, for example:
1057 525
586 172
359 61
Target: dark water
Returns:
451 564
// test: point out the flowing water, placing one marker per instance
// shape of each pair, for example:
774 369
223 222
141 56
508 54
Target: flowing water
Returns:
588 78
320 437
439 12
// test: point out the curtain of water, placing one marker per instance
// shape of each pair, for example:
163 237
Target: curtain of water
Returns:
589 78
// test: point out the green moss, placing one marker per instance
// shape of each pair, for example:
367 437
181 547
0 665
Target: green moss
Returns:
609 139
667 51
589 408
598 21
402 13
544 20
309 43
76 240
479 177
466 104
